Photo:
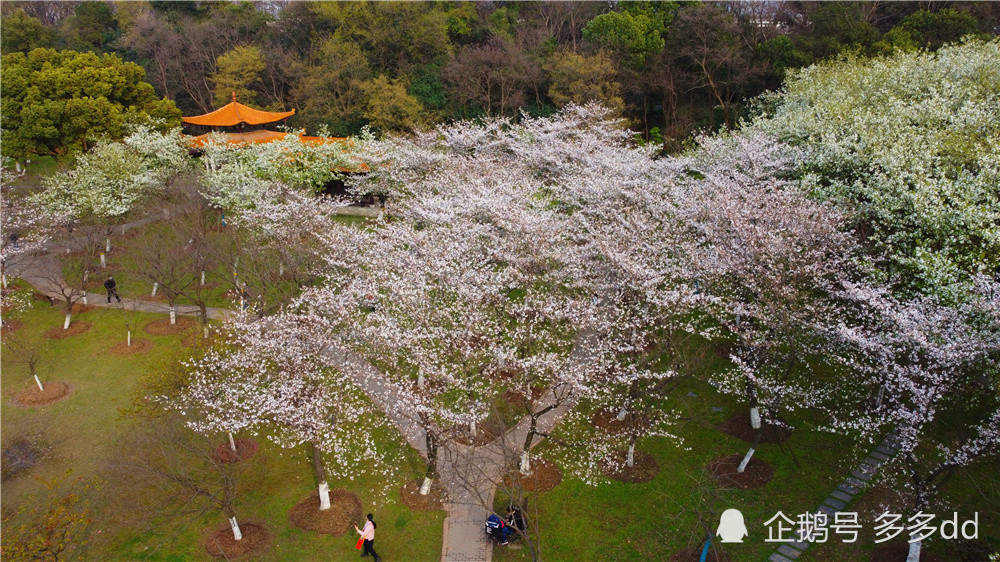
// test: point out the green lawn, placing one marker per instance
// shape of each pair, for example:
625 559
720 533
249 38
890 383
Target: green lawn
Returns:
84 432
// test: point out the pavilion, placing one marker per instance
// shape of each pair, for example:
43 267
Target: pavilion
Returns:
235 114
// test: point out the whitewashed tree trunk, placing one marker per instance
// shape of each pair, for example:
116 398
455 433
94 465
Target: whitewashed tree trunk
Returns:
107 244
420 380
104 261
525 463
129 339
914 554
39 383
232 442
472 429
237 534
204 332
622 413
3 281
630 459
69 316
202 278
281 268
324 496
425 488
155 285
755 418
173 315
746 461
84 300
17 166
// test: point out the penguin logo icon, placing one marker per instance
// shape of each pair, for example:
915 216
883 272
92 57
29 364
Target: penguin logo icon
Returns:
731 526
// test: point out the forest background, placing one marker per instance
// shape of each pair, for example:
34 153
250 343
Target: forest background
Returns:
669 68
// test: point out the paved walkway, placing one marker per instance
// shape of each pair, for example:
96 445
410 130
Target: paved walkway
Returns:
844 494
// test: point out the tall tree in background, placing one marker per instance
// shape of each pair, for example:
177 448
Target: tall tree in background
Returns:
237 72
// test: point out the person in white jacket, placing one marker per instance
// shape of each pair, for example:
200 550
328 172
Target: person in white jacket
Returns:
368 534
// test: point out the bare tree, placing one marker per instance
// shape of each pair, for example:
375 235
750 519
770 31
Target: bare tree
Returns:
27 352
164 259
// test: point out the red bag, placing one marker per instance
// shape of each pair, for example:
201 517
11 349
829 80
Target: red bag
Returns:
361 541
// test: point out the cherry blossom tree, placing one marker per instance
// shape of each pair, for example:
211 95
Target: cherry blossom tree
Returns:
925 369
277 376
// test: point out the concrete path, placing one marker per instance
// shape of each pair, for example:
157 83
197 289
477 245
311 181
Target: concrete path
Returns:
843 495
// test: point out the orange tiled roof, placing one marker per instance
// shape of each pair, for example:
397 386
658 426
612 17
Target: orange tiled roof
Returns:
234 113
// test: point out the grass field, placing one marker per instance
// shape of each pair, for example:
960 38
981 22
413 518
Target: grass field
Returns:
84 432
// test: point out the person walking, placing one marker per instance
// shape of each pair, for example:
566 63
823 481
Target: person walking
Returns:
110 285
368 534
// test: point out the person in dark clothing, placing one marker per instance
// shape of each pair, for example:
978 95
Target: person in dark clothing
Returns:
13 240
515 521
368 534
112 291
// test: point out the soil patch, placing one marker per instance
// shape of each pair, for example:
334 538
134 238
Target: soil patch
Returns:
433 501
11 326
607 421
544 476
75 329
644 467
245 450
486 432
693 554
54 391
18 457
139 345
163 327
345 511
221 544
898 552
756 474
738 426
36 296
80 308
514 398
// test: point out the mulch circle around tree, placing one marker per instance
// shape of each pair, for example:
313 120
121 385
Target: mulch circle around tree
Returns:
163 327
18 457
607 421
11 326
80 308
693 554
756 474
738 426
644 467
897 552
221 544
411 498
139 345
245 450
54 391
75 329
345 511
544 476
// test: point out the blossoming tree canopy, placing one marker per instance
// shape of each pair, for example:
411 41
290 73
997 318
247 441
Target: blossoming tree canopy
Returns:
909 145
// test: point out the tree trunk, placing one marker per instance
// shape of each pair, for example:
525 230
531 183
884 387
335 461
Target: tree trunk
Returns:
173 315
622 413
107 244
746 461
525 463
630 459
153 294
432 454
39 383
69 316
237 534
320 471
472 429
755 417
202 278
129 338
104 261
232 442
914 554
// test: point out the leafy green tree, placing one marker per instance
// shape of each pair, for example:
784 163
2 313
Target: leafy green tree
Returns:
238 72
579 79
20 32
92 27
931 30
632 37
329 90
58 102
388 107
